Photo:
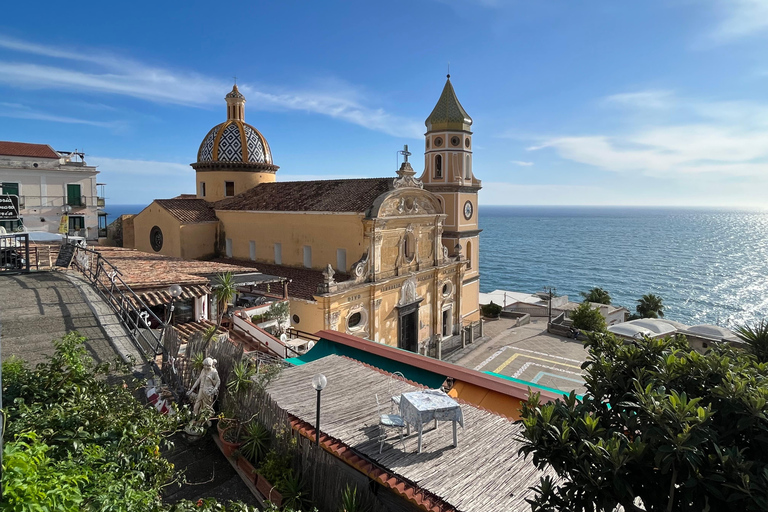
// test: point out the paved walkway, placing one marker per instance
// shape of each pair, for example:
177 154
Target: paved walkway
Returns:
37 308
528 353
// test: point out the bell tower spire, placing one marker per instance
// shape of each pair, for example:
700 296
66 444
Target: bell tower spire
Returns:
235 104
448 173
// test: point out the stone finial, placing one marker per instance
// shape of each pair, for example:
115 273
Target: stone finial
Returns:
328 274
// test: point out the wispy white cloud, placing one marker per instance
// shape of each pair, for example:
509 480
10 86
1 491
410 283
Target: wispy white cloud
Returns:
642 99
127 77
724 139
740 18
19 111
522 163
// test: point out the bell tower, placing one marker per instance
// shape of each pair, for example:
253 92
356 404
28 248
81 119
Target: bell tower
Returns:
448 173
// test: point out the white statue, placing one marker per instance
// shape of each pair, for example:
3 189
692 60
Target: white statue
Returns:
207 385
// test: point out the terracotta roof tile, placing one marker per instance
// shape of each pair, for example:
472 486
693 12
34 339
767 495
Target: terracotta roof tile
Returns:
356 195
141 270
189 211
304 281
25 149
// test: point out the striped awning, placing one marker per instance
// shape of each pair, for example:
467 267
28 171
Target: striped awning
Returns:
162 297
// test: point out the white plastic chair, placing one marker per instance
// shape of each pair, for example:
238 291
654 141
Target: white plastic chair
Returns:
389 421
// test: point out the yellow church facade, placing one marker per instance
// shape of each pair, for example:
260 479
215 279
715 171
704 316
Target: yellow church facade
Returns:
394 260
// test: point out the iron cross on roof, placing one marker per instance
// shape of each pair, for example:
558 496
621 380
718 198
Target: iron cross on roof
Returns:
405 152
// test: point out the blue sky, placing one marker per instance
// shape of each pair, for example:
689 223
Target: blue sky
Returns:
621 103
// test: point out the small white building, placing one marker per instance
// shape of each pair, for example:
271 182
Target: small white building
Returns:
52 186
537 305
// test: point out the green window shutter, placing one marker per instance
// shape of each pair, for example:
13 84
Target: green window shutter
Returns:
10 189
73 195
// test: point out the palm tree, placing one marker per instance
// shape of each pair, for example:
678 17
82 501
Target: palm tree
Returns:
224 290
597 295
756 338
650 306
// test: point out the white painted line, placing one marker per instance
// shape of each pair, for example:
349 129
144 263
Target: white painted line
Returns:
491 358
545 354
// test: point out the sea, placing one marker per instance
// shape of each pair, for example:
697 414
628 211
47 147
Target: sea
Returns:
708 265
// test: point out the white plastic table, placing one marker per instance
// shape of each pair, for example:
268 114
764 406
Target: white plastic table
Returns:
420 407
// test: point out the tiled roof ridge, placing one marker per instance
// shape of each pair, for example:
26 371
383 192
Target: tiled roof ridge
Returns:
335 180
27 149
412 492
189 210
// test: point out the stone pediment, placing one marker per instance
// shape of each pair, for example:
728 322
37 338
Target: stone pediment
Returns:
404 202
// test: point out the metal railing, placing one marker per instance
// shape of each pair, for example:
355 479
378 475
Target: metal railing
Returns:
133 313
57 201
14 253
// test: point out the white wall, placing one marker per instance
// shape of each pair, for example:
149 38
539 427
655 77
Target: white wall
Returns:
43 191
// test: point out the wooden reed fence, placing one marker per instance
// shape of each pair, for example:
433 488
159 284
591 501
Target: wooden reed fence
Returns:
324 476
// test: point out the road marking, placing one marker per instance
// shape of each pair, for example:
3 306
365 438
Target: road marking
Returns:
548 355
494 356
515 356
527 365
539 375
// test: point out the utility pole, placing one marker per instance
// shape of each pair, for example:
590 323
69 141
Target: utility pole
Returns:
550 290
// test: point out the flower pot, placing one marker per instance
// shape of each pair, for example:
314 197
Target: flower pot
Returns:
223 424
248 469
268 490
227 447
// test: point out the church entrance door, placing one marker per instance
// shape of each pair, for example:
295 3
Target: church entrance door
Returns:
408 331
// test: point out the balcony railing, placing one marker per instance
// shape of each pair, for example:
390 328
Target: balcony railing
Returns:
76 201
100 202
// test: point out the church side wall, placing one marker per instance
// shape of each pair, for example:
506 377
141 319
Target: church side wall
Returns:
155 215
323 232
310 315
198 240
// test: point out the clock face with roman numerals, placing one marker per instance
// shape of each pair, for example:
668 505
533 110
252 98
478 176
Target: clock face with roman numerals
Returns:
468 209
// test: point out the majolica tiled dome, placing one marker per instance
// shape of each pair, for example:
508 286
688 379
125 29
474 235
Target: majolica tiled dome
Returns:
234 143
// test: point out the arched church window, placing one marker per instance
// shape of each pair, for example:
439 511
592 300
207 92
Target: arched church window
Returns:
467 170
438 166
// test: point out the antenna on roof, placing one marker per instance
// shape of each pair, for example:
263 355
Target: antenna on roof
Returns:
449 69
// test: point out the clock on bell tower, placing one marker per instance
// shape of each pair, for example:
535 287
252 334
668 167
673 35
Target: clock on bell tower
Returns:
448 173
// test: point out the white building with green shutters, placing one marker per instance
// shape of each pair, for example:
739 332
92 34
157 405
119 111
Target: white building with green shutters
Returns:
52 186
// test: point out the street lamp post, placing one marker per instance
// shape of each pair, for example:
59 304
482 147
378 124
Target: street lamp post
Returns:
175 291
318 382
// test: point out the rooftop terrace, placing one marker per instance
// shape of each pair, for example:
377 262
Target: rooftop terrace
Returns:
483 473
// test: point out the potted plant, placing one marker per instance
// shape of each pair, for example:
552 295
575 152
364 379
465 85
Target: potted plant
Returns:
255 444
270 473
230 428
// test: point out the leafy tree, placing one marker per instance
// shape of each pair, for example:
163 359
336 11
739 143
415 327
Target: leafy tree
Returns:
650 306
76 442
587 318
661 428
597 295
756 338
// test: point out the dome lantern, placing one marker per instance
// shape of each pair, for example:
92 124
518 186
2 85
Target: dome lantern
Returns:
235 105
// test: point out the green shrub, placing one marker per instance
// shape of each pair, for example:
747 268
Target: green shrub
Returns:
491 310
587 318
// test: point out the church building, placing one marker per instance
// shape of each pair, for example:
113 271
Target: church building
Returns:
393 259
